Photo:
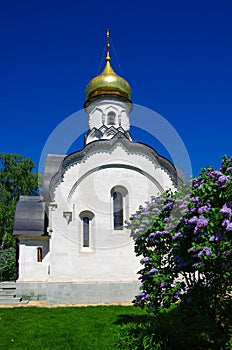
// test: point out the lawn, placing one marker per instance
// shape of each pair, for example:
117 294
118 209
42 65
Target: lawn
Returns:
81 328
102 327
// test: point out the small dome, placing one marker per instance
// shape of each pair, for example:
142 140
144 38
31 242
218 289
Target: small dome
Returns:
107 83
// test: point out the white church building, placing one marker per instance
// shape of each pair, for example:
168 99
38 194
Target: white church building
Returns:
73 246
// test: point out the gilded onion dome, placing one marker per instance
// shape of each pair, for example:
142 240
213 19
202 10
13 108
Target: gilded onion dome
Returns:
108 83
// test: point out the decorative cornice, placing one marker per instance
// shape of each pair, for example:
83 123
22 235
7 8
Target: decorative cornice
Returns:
134 147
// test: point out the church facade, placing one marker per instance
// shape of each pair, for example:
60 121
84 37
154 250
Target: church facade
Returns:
73 245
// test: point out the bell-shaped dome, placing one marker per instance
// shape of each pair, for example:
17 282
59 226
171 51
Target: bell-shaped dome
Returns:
108 83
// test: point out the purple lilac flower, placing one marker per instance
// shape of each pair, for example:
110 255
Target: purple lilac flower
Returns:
226 212
177 235
204 209
202 222
229 227
152 235
183 205
205 250
179 201
225 223
168 206
194 199
135 216
145 213
146 259
153 271
193 220
165 232
158 233
163 284
223 179
215 174
196 183
159 200
165 219
229 169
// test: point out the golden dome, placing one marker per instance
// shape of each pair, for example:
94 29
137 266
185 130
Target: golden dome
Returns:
107 83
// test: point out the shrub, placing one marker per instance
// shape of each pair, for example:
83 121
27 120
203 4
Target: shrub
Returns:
184 240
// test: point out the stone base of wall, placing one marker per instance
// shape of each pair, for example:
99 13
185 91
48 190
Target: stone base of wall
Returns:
31 290
78 293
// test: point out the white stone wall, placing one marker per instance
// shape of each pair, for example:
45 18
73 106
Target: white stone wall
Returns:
29 268
87 186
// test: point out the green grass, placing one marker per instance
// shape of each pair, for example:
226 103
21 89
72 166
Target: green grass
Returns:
102 327
81 328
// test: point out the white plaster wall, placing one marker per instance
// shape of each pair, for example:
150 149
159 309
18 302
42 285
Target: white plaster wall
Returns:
29 268
87 186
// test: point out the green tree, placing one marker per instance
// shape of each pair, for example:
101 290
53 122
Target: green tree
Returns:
16 178
185 243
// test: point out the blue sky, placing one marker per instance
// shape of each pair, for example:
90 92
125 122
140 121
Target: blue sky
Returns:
176 55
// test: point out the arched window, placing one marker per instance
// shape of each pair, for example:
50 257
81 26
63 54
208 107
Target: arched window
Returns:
39 254
85 231
111 118
87 234
118 210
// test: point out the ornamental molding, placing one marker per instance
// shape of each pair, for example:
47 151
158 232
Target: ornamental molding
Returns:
106 146
68 216
52 206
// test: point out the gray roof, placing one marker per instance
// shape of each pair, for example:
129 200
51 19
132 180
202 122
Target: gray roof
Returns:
30 217
52 166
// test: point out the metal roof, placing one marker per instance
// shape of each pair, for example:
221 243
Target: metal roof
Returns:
29 217
51 168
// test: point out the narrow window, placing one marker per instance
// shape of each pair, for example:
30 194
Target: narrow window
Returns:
86 231
111 118
39 254
118 210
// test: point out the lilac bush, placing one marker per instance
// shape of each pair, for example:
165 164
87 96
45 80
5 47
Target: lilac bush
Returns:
184 240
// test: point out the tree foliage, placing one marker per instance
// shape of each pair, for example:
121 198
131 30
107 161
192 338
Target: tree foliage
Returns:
184 239
16 178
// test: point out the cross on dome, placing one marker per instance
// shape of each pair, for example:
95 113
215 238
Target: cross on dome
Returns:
108 83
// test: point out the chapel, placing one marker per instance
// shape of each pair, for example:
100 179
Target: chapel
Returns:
73 245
